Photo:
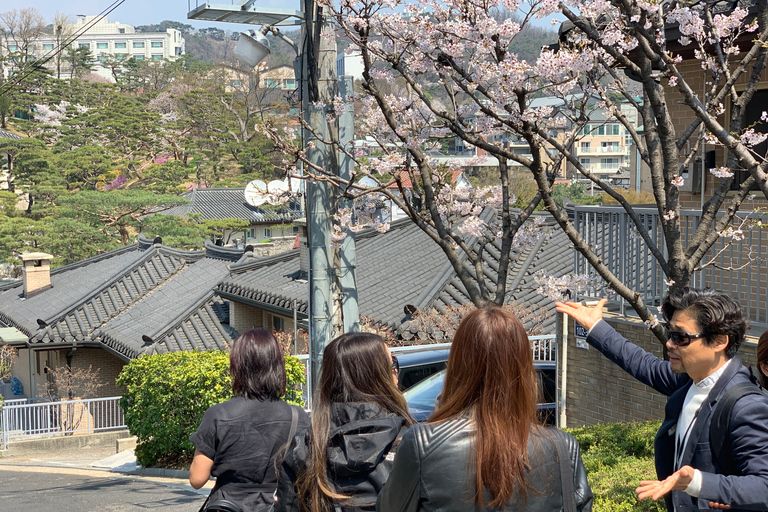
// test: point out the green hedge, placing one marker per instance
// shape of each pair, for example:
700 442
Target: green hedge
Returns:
617 456
166 395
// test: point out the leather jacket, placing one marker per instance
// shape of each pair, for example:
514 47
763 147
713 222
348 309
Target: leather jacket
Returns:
434 471
358 456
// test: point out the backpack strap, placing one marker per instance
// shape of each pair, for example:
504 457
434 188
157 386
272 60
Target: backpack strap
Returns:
720 428
566 473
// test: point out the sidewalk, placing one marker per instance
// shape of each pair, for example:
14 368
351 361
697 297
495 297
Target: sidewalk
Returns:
102 461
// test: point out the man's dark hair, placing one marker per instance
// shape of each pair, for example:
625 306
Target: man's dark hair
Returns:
257 366
714 311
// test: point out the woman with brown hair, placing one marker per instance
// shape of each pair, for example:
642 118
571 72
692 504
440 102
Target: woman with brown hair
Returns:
358 417
483 449
762 359
239 440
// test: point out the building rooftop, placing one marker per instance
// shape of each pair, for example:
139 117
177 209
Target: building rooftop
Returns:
229 203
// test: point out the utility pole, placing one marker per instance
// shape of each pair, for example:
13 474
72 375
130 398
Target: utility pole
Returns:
332 283
320 88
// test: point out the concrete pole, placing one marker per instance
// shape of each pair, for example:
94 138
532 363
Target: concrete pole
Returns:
319 88
347 260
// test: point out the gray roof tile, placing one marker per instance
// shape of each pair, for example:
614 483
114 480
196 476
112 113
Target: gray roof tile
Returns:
229 203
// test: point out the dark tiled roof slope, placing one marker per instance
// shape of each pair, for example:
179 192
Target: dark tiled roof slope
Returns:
405 266
144 290
229 203
5 134
393 269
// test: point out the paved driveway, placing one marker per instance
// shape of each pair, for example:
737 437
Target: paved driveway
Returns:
52 489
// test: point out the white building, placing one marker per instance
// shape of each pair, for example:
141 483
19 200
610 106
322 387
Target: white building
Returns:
109 38
350 65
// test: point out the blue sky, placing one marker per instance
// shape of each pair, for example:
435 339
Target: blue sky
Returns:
138 12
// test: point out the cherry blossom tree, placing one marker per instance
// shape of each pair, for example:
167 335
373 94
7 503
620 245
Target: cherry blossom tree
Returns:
459 78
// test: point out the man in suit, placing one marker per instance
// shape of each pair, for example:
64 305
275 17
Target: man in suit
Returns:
705 329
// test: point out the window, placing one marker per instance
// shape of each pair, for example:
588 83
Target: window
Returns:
12 48
102 57
587 129
609 147
102 46
235 83
252 233
278 323
267 233
47 46
290 83
615 129
157 56
270 83
609 163
585 146
586 162
121 31
138 44
601 129
120 45
84 45
138 57
156 44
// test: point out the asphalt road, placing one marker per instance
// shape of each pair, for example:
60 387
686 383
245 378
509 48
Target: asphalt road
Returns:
50 489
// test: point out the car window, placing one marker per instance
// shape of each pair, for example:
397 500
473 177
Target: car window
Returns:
425 393
410 376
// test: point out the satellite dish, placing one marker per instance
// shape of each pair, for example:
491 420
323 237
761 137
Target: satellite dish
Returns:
277 187
256 193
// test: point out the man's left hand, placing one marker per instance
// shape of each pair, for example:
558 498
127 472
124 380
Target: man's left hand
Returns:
655 489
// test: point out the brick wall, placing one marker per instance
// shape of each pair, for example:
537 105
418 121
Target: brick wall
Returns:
598 391
109 367
243 317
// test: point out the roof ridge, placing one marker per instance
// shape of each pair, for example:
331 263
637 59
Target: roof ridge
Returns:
244 266
88 296
93 259
182 317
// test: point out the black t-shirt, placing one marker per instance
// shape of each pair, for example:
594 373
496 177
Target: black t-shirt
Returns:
242 437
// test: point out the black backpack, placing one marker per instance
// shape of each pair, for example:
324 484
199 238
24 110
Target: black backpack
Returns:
720 428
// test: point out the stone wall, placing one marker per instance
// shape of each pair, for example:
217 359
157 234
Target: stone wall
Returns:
598 391
277 245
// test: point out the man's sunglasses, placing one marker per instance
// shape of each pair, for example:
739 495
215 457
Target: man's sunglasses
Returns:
682 338
395 365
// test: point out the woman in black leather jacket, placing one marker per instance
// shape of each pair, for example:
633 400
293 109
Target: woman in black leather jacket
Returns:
482 449
358 417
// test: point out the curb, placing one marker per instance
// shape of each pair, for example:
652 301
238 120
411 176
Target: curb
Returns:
163 472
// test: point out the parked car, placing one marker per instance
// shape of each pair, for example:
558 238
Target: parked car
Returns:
421 397
418 365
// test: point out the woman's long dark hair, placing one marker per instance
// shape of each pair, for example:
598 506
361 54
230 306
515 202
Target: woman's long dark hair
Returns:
356 368
762 357
491 375
257 366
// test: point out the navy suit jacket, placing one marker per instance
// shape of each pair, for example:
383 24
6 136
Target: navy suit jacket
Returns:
749 428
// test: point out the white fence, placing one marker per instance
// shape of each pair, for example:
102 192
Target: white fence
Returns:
53 418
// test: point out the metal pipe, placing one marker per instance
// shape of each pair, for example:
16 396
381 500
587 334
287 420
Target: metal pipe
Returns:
347 257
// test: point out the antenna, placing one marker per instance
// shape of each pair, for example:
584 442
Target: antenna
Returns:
258 193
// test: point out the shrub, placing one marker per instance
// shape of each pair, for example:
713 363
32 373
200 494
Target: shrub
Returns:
617 456
166 395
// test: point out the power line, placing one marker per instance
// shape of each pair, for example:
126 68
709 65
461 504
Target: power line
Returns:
23 73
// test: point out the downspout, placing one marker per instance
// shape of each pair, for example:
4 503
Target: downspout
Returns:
562 420
31 365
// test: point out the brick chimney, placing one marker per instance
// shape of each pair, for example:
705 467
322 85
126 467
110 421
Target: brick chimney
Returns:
36 272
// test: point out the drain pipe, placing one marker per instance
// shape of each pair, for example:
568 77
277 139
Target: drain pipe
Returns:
562 420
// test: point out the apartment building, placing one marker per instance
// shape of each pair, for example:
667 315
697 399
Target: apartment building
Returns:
108 38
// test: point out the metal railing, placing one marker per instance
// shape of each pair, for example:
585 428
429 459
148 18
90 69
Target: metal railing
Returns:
55 418
736 267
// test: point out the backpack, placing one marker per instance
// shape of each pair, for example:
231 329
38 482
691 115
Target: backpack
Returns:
720 428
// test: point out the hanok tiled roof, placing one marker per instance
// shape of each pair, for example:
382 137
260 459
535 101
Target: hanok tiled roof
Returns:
5 134
229 203
402 266
392 270
143 298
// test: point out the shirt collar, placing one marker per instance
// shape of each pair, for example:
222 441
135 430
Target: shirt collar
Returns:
711 380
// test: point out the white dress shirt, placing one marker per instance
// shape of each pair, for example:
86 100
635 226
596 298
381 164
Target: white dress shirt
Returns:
694 399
